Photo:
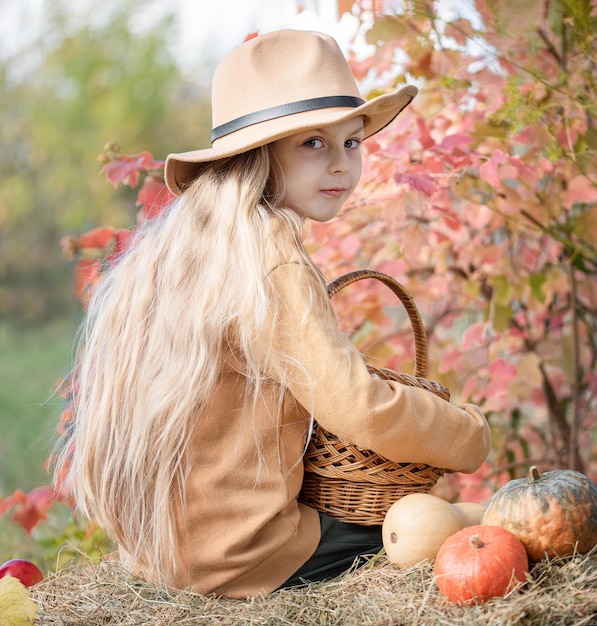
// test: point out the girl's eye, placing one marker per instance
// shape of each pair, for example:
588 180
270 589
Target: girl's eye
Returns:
314 143
353 143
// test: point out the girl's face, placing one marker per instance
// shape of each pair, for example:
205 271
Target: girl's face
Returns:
321 168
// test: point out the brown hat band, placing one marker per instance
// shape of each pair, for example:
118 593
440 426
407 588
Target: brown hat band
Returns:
282 110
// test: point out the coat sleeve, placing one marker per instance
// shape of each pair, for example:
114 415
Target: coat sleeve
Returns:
329 377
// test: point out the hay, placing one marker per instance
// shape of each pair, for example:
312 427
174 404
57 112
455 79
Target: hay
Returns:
560 592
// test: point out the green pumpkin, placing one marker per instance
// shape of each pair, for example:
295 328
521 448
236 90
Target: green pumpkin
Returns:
553 514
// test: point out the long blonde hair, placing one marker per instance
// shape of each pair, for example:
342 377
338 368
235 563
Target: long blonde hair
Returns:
150 349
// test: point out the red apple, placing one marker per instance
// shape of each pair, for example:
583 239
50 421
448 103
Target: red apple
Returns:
26 571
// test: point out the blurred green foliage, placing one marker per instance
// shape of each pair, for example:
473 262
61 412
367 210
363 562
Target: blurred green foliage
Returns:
76 88
79 85
32 359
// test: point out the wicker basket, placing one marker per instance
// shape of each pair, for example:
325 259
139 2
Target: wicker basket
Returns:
356 485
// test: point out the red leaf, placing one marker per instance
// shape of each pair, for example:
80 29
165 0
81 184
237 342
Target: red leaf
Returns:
475 336
125 168
457 140
97 238
86 275
496 391
35 509
580 189
153 196
420 182
424 136
489 170
18 497
31 508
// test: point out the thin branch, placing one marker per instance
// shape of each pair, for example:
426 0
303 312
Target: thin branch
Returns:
557 416
550 47
554 408
573 445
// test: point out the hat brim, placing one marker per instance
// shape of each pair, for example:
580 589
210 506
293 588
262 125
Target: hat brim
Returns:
181 168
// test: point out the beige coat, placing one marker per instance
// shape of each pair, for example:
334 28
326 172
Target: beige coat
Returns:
243 531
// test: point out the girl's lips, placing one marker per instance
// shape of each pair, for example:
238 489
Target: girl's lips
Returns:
333 193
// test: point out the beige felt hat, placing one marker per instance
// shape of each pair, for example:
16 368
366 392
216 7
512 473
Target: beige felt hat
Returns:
278 84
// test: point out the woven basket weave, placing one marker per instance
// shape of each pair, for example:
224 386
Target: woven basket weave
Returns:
356 485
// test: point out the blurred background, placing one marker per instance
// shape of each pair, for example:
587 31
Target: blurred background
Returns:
74 77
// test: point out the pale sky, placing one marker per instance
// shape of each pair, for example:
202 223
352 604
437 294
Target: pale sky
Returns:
215 26
206 29
224 24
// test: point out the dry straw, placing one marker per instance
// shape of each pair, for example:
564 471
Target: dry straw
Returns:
559 592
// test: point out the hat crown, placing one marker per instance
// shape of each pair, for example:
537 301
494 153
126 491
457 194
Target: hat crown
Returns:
276 85
277 69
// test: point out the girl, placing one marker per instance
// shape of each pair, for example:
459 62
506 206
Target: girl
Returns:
211 346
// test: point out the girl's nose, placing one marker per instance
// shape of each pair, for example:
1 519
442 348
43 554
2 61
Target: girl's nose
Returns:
339 161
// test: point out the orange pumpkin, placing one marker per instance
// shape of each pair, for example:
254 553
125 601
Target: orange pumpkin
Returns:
553 514
478 563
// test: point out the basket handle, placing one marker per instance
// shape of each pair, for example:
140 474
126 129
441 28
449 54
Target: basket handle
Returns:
420 336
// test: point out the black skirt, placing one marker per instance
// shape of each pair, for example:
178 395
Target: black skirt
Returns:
342 547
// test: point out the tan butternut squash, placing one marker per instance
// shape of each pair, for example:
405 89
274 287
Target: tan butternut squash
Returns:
473 511
416 526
